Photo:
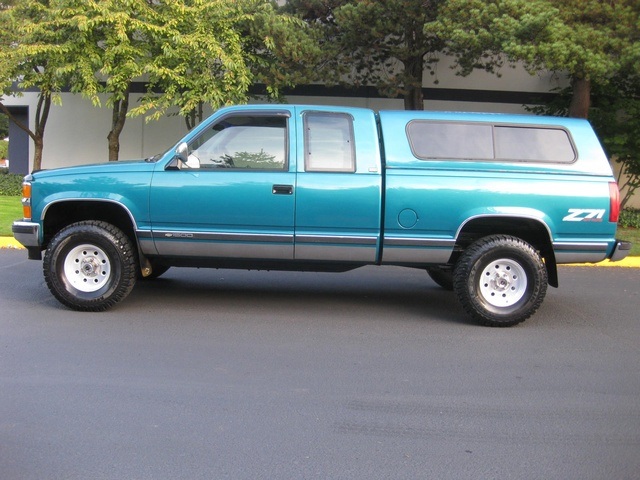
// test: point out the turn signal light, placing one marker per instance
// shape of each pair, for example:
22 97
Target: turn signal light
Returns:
26 200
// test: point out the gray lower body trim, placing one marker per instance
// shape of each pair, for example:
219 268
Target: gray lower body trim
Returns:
592 252
418 251
227 245
340 248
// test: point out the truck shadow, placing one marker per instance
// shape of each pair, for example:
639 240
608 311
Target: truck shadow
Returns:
400 294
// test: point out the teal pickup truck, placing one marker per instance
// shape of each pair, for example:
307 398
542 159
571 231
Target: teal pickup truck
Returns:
487 204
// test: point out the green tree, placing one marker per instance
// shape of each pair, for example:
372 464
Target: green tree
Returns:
587 40
190 52
382 43
210 52
115 37
598 34
280 49
616 117
489 34
36 51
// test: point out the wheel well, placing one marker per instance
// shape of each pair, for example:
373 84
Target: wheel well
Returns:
61 214
531 231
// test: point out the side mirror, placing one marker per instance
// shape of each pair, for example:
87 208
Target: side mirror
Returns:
182 152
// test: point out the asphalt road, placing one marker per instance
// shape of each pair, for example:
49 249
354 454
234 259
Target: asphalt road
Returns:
371 374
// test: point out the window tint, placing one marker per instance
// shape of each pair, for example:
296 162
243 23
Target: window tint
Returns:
249 142
450 140
464 141
533 144
329 142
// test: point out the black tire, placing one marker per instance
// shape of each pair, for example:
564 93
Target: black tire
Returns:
90 266
442 276
500 280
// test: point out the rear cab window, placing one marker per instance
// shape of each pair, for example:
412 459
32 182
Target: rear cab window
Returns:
329 142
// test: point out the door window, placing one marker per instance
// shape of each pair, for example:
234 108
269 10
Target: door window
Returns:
242 142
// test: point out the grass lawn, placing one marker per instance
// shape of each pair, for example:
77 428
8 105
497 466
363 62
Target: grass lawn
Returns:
631 235
11 209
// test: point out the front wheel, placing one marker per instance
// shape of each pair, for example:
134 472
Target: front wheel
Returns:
500 280
90 266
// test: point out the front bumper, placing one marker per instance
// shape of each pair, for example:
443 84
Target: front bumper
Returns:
620 251
26 233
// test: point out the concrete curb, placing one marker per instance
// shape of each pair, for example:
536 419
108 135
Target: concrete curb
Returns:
10 242
629 262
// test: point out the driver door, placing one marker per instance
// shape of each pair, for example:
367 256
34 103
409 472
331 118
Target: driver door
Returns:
234 198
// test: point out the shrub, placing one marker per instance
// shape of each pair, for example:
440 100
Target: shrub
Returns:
630 218
10 183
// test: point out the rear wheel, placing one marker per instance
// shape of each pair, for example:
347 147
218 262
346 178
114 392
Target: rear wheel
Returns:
90 266
500 280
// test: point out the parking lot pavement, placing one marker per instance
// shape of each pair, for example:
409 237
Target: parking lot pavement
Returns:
370 374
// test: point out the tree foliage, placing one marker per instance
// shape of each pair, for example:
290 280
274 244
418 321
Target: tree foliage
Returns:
196 58
598 35
392 43
616 117
212 51
382 43
109 41
190 53
38 50
590 41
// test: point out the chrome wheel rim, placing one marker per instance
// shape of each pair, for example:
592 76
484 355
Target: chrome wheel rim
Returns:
503 283
87 268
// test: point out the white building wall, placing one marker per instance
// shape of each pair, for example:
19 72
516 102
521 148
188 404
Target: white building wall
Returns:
507 79
76 132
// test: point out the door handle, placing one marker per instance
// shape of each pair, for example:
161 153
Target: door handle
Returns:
282 190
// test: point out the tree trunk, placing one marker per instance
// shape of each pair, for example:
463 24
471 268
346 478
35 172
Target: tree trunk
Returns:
42 114
38 143
194 117
118 118
581 99
413 76
414 99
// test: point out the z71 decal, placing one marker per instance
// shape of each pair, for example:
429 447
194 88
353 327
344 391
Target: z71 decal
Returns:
584 215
